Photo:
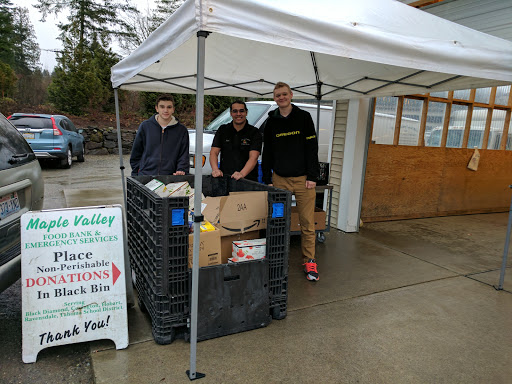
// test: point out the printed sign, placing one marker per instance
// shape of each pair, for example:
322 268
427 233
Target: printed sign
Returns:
73 283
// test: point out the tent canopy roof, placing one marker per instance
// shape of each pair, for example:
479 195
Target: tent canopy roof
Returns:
362 48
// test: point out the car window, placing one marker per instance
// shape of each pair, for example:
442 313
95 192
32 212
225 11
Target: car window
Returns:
254 112
12 144
70 124
64 125
31 122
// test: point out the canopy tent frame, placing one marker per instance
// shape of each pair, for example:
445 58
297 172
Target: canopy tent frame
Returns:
318 84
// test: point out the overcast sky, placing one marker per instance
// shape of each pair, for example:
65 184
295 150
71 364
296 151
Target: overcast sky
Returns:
47 33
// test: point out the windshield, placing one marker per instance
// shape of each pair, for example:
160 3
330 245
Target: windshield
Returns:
254 113
35 122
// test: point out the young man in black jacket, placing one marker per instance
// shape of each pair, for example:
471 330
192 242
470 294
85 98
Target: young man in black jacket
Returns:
161 144
290 161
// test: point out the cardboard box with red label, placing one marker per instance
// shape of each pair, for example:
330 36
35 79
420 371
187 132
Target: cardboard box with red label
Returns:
245 250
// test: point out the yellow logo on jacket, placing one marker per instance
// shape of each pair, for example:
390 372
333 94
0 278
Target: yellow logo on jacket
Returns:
288 133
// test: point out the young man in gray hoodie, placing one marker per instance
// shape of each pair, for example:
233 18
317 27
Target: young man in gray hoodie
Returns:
161 144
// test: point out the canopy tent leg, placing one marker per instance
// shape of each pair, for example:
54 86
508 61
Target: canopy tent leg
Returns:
120 145
505 251
128 273
318 93
198 218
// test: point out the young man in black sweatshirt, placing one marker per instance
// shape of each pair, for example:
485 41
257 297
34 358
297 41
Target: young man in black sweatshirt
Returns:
290 161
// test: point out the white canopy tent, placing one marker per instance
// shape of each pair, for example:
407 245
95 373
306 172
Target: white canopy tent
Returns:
328 49
361 48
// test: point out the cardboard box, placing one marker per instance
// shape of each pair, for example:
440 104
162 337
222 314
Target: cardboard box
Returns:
244 250
226 243
319 220
179 189
209 249
158 187
237 213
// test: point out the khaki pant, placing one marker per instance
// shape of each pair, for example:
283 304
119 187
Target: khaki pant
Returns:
305 199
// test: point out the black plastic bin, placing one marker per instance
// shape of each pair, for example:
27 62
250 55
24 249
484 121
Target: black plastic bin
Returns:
158 249
233 298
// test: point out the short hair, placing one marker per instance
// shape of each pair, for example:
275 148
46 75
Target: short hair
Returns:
280 84
165 97
238 102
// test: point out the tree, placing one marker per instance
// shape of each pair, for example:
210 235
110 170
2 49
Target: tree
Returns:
102 61
143 24
25 48
32 89
7 80
82 79
164 9
6 28
88 18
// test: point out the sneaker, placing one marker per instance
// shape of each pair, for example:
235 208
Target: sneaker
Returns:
310 270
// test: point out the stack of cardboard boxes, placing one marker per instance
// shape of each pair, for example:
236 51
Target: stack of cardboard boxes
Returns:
238 217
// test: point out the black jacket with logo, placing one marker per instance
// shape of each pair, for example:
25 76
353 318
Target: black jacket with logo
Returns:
291 147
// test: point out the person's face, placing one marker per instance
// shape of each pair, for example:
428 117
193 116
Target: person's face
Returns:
238 113
283 97
165 109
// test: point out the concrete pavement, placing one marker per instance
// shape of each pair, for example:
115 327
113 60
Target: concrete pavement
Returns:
400 302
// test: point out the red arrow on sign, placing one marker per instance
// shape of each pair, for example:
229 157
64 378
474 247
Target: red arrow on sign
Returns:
115 273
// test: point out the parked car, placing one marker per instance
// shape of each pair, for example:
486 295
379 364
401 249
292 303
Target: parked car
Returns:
21 190
257 113
51 137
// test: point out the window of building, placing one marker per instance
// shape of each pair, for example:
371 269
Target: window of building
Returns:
458 119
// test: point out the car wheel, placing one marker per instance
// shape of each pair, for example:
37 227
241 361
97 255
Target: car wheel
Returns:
80 156
68 160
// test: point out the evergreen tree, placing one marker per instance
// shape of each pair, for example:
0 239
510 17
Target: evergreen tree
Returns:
6 29
25 48
88 18
7 80
102 61
32 89
82 78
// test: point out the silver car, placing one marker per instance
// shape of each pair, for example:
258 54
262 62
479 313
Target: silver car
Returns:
21 190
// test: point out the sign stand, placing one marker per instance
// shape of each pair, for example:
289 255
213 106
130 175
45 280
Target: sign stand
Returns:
73 278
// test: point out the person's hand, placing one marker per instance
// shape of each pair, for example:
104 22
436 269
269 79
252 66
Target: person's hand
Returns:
237 175
217 173
179 173
310 184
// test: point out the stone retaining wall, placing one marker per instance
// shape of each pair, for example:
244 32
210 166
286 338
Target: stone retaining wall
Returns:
103 141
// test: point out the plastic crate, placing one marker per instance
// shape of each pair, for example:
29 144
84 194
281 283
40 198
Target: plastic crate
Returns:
233 298
278 241
159 251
